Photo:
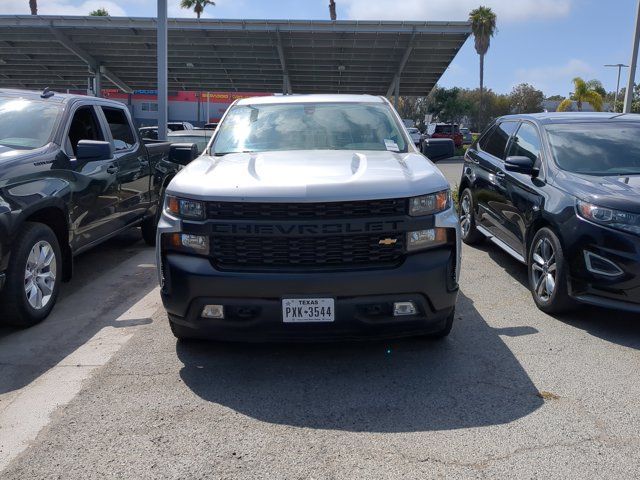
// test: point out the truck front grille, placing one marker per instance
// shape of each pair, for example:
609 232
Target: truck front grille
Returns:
299 253
288 211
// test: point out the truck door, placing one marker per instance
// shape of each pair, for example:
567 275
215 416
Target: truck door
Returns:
95 189
134 174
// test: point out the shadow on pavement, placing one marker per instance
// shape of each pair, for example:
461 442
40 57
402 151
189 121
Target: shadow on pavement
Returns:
470 379
100 292
615 326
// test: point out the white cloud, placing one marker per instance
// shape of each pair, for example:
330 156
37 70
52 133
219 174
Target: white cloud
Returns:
506 10
61 7
546 77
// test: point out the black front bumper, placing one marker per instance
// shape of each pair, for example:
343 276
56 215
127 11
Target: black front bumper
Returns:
252 301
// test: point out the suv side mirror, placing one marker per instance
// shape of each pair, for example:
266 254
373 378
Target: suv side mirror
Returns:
521 164
183 153
93 150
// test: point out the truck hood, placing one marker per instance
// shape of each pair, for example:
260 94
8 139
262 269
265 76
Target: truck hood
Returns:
307 176
617 192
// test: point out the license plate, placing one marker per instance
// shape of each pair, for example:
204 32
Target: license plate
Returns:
307 310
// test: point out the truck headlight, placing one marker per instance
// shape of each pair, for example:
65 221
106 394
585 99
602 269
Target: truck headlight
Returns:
618 219
422 239
430 204
184 208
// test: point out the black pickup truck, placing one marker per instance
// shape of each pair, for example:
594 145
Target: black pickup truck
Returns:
73 173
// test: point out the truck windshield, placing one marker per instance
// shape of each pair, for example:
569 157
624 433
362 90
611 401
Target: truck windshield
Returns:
596 148
309 126
26 124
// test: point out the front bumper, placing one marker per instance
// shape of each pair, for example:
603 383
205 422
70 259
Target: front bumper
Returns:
363 298
252 300
620 291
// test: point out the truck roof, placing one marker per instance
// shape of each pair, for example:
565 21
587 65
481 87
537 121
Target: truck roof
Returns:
60 98
312 98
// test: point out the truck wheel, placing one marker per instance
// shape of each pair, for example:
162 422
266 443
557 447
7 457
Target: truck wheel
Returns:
447 328
33 277
470 234
181 332
548 273
149 227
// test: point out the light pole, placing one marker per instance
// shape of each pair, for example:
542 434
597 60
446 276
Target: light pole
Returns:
628 99
163 88
619 66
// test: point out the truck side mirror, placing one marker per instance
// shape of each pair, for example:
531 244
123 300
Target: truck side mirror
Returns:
183 153
93 150
521 164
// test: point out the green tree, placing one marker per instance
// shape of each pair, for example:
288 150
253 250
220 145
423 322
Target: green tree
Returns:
586 92
526 99
196 5
448 104
99 12
483 26
495 106
556 98
565 106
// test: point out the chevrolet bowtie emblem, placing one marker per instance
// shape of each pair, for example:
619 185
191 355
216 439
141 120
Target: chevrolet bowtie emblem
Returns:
388 241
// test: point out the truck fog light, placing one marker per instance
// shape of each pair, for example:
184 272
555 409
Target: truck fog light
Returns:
213 311
421 239
600 265
195 243
403 309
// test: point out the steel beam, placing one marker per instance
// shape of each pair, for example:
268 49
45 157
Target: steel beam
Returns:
163 71
403 62
628 99
286 81
98 69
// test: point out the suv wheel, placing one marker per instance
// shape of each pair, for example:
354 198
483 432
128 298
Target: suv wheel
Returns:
548 273
470 234
33 277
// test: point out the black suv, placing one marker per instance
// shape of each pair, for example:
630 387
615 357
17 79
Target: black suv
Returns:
560 193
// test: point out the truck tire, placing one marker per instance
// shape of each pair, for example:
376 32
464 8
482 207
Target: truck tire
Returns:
33 277
149 227
440 334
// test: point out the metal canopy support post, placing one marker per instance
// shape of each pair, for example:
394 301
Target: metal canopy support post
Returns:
396 100
163 90
286 82
94 65
628 99
403 62
97 83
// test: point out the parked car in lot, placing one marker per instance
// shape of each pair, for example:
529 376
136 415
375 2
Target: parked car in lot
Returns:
561 193
73 172
415 135
199 138
309 218
151 133
467 137
446 130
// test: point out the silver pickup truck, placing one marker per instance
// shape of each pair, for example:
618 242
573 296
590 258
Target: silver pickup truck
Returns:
309 217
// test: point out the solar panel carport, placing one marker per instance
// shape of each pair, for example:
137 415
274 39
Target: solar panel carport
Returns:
228 55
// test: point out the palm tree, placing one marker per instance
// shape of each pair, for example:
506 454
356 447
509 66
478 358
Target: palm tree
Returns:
33 5
332 10
197 5
586 92
483 26
565 105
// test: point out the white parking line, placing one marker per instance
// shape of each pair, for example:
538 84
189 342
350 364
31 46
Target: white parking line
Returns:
29 410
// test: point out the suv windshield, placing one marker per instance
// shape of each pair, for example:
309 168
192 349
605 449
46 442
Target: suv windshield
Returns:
26 123
596 148
309 126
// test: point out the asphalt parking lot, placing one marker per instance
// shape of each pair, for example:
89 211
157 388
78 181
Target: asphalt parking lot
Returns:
102 389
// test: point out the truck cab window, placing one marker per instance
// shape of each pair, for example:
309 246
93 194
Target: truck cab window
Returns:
123 137
84 126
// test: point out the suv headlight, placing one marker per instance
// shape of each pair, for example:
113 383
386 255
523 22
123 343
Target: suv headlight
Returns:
430 204
618 219
184 208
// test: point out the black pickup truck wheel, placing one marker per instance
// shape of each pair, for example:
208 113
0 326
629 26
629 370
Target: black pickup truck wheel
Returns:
33 277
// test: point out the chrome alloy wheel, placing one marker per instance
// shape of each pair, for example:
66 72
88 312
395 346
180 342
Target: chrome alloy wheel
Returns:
465 215
40 275
544 269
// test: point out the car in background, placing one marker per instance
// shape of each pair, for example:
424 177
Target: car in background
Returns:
447 130
200 138
148 133
560 192
415 135
467 137
151 133
210 126
176 126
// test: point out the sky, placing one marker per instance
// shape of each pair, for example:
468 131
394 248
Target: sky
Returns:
542 42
